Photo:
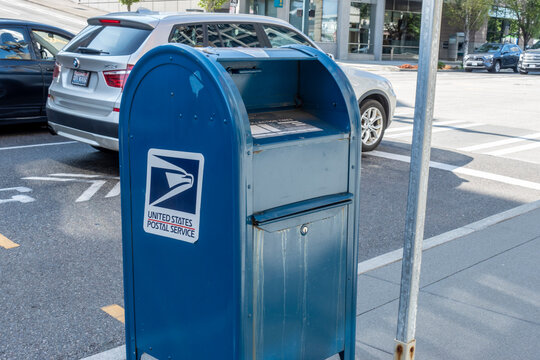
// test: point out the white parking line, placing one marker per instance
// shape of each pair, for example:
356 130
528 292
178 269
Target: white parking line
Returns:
514 149
435 130
463 171
36 145
409 127
500 142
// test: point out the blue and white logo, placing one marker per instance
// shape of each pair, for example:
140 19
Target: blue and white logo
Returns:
173 194
76 63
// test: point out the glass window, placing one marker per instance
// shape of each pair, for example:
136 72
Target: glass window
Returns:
401 34
279 36
192 35
262 7
48 44
214 39
321 19
360 32
14 44
108 40
238 35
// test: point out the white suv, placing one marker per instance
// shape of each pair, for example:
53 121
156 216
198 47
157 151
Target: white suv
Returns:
90 72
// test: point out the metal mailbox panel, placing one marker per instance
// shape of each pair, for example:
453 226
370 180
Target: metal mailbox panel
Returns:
299 286
305 169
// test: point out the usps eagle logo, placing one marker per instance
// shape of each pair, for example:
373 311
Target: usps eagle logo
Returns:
173 193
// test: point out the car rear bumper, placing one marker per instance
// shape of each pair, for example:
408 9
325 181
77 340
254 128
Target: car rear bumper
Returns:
90 131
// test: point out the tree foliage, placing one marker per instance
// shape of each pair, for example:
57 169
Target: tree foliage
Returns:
211 5
528 17
128 3
470 15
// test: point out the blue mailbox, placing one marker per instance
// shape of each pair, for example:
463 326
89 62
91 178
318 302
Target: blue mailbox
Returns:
240 181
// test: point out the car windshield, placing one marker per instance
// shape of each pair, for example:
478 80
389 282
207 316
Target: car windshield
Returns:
108 40
536 46
489 48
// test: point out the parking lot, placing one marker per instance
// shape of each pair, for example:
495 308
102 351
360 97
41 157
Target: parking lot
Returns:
60 248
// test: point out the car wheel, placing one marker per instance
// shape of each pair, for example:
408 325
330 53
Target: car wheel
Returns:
496 67
373 124
468 70
515 68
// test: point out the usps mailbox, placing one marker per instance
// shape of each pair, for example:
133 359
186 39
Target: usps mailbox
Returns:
240 182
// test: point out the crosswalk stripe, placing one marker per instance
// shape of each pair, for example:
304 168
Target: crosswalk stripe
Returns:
514 149
435 130
500 142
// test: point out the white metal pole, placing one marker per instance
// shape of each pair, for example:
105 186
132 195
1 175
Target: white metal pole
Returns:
418 178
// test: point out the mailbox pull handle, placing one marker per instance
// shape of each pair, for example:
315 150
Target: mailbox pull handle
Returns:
301 207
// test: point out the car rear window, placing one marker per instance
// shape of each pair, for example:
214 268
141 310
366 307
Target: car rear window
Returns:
108 40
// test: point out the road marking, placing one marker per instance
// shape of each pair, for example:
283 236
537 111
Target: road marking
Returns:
117 353
462 170
18 198
115 191
500 142
435 124
6 243
397 255
37 145
514 149
435 130
95 186
116 311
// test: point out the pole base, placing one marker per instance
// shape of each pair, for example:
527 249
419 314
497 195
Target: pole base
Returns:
404 351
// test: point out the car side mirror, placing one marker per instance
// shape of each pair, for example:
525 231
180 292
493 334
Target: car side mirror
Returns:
331 56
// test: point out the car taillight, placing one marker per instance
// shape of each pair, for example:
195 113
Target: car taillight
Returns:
117 78
56 70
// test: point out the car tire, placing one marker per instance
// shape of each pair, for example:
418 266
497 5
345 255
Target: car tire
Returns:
515 68
468 70
496 67
373 121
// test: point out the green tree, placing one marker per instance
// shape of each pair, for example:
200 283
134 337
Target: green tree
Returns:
128 3
470 15
211 5
528 17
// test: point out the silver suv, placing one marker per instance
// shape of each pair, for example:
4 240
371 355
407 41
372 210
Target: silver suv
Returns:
530 59
84 97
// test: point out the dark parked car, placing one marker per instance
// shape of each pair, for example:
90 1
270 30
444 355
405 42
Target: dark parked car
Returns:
493 57
27 56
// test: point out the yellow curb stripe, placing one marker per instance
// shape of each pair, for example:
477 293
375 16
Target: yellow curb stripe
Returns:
116 311
6 243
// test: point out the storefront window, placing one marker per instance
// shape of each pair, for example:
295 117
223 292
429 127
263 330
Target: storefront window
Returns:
401 36
262 7
322 19
361 33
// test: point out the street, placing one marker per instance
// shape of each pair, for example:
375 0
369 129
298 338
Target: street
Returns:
60 203
60 229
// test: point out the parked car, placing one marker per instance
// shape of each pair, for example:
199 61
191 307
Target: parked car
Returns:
493 57
27 55
84 98
530 59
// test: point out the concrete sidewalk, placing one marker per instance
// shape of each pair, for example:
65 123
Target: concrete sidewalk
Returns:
479 297
479 294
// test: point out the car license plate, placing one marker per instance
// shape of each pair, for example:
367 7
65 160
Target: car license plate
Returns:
532 65
474 64
80 78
